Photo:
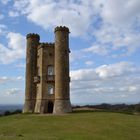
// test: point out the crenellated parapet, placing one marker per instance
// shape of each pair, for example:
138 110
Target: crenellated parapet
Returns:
32 35
62 28
45 44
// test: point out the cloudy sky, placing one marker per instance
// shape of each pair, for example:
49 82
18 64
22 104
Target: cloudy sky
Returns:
104 43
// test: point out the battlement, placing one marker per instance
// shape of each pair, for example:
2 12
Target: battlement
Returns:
62 28
45 44
32 35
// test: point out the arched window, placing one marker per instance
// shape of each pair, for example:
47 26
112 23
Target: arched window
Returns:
50 89
50 70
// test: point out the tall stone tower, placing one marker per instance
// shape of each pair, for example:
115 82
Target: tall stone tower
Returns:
31 63
62 79
47 74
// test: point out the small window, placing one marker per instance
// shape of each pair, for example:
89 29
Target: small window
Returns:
50 70
50 89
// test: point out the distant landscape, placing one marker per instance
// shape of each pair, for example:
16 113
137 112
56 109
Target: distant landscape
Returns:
10 108
122 108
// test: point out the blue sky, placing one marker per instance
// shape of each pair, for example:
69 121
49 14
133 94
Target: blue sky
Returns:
104 43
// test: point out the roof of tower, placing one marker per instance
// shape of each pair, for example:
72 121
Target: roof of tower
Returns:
32 35
62 28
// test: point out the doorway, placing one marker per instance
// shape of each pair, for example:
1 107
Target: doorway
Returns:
50 107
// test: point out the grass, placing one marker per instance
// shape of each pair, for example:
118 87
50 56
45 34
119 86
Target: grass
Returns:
74 126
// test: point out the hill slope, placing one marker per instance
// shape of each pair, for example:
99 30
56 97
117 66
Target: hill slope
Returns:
75 126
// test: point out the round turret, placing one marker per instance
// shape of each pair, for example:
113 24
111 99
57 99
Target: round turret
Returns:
31 70
62 100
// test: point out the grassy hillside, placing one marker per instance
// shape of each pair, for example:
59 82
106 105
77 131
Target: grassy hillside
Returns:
75 126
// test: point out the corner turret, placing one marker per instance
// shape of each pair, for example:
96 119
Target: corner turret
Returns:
31 70
62 100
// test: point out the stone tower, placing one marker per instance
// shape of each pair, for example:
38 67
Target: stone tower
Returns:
31 63
47 74
62 79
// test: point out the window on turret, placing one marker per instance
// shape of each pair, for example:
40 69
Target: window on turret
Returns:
50 70
50 89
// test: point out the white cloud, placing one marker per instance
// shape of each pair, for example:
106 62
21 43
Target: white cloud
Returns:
77 16
133 88
83 74
19 78
13 14
113 70
76 55
112 38
3 80
20 65
14 91
120 26
6 79
89 63
130 89
15 49
118 21
121 12
114 81
96 49
105 71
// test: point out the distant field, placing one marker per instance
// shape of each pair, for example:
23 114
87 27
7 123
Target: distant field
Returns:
74 126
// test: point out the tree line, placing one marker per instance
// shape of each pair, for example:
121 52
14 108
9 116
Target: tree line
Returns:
124 108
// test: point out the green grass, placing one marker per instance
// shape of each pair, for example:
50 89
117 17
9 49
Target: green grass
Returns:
74 126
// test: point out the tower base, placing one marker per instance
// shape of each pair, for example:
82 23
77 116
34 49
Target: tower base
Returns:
62 106
38 106
29 106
